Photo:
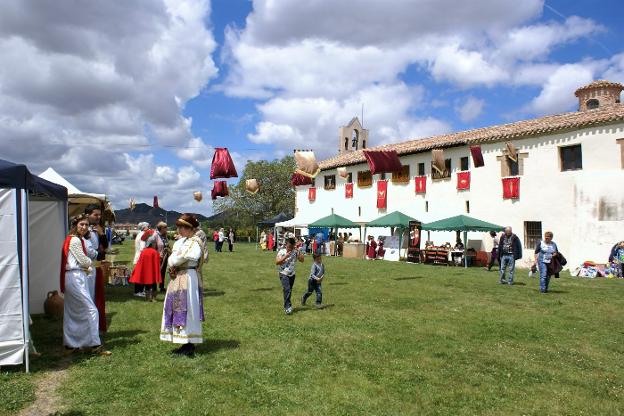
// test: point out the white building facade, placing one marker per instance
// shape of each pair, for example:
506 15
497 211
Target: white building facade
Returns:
570 169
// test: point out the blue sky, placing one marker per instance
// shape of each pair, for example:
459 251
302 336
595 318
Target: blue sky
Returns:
141 94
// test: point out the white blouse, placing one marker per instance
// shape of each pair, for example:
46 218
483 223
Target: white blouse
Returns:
76 259
186 251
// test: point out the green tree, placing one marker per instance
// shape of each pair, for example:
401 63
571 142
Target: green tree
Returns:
276 194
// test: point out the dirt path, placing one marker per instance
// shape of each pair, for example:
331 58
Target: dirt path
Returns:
46 398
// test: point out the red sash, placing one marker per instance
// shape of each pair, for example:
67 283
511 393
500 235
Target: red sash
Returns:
64 255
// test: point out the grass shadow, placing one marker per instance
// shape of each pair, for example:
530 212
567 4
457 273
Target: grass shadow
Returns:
214 345
312 308
118 339
213 292
263 289
408 278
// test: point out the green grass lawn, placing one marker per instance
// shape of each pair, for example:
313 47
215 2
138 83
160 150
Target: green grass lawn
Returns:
393 339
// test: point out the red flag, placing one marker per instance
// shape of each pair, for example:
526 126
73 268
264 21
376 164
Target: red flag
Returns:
382 194
222 164
381 161
312 194
219 189
511 188
298 179
477 156
155 201
349 190
463 180
421 184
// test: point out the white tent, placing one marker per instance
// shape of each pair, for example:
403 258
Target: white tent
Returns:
33 222
78 199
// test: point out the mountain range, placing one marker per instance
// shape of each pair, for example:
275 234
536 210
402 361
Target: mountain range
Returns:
146 213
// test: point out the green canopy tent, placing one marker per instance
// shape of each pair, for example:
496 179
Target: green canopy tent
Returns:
333 221
461 223
393 220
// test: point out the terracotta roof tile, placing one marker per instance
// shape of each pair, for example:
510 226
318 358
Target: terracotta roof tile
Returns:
518 130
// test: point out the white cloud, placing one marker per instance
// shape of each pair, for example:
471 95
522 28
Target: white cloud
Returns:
470 109
557 94
465 68
95 81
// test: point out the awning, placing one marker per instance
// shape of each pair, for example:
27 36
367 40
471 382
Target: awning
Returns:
461 223
394 219
334 221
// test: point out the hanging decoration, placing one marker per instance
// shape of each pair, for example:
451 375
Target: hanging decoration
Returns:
298 179
477 156
383 161
463 181
219 189
132 204
306 163
421 184
222 164
349 190
312 194
382 194
155 201
198 196
342 172
512 153
437 156
511 188
252 186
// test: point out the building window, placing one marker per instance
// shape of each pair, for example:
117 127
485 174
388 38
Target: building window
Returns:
421 169
359 211
591 104
468 207
364 178
571 157
346 143
363 144
403 176
621 143
330 182
447 170
426 206
350 177
532 233
511 168
463 163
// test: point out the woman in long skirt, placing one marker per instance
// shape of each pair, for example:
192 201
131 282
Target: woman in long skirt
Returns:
80 320
183 311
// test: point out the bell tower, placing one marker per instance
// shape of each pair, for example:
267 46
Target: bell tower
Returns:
598 94
352 137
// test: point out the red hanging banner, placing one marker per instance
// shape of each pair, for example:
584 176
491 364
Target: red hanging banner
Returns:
222 164
421 184
349 190
463 181
477 156
382 194
511 188
312 194
219 189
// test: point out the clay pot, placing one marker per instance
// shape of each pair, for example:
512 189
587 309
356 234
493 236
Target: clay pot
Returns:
54 305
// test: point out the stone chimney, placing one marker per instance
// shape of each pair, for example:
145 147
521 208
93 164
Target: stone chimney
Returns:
598 94
352 137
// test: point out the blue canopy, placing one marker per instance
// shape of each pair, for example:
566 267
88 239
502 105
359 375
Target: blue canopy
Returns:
13 175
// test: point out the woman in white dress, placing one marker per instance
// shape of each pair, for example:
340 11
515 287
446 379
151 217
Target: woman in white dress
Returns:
80 320
183 311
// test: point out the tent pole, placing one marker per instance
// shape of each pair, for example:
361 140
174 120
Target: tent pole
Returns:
257 242
25 277
465 244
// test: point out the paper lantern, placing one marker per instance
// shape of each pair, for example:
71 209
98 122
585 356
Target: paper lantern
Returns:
298 179
463 181
222 164
252 186
219 189
477 156
306 163
437 155
512 153
132 204
342 172
383 161
198 196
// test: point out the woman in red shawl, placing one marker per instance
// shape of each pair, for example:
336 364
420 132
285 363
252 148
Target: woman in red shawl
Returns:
370 248
381 252
147 269
271 243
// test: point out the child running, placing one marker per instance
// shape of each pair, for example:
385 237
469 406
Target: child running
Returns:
314 282
285 261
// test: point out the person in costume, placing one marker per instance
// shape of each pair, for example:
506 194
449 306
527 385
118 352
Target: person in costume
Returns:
80 319
139 245
183 311
263 240
96 238
147 270
371 248
381 251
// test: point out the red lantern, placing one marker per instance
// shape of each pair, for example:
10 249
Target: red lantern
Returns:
219 189
477 156
298 179
222 164
383 161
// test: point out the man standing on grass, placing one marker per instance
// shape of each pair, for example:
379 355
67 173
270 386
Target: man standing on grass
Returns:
509 250
285 261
